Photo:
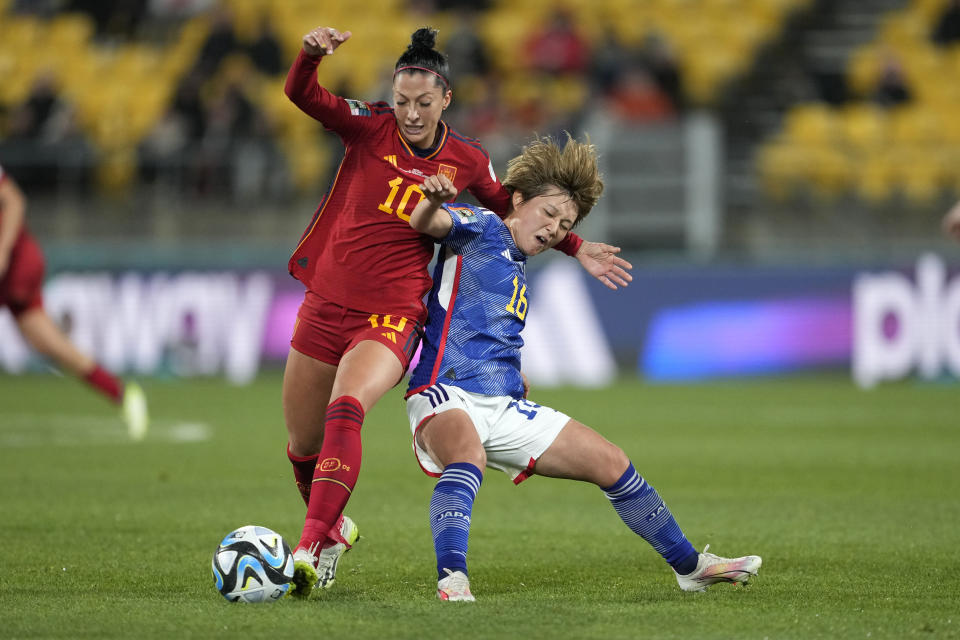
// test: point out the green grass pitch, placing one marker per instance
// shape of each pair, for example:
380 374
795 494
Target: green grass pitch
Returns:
851 498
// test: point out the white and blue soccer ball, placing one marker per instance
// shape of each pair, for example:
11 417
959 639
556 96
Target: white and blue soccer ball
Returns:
253 564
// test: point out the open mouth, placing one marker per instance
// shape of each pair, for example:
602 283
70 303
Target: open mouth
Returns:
413 130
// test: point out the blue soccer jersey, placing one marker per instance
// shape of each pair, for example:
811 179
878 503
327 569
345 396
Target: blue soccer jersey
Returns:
476 308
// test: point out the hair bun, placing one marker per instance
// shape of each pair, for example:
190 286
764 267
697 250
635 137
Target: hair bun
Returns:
424 37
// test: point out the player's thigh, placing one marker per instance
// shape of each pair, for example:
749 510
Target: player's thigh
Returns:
306 393
580 453
450 437
366 372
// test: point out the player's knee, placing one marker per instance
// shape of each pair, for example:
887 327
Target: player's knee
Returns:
473 455
615 463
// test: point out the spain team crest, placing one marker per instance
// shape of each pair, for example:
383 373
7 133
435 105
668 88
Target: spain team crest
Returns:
448 172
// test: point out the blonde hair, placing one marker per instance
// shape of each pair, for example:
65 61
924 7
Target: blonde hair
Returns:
573 169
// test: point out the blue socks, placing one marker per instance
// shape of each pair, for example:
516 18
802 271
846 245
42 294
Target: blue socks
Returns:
450 509
643 510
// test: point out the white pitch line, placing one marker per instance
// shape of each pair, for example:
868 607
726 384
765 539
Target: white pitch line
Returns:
21 430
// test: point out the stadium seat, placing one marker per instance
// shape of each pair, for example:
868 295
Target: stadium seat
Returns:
864 127
811 124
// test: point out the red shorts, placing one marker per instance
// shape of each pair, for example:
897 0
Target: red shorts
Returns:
21 287
326 331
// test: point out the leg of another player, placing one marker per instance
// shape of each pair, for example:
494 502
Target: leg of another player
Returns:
580 453
42 333
451 440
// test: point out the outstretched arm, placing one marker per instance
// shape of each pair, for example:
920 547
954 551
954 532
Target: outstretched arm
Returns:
602 262
12 207
599 259
427 217
301 85
951 222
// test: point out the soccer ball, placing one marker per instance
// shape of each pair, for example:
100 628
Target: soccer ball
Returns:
253 564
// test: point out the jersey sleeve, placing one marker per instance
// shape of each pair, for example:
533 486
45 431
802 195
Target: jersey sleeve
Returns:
469 223
347 118
570 244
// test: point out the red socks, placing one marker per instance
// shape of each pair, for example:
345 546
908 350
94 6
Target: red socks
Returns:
337 468
303 472
101 380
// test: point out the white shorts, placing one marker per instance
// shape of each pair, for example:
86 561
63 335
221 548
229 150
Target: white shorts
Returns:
514 433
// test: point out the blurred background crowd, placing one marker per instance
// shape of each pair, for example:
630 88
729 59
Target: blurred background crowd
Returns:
834 121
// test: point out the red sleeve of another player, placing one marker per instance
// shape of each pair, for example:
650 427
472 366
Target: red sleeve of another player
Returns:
304 91
570 244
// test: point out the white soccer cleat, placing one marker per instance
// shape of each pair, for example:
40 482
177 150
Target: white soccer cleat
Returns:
344 537
319 570
712 569
135 413
455 587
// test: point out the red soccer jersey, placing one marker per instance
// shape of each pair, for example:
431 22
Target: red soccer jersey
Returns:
359 249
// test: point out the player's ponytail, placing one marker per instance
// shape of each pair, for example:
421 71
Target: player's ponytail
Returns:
422 56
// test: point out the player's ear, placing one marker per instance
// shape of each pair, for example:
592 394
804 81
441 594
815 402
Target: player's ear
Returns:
447 99
516 199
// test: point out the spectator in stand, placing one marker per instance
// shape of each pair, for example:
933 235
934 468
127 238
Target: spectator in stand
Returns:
892 88
43 132
162 152
264 51
607 61
466 50
32 117
229 119
220 42
113 18
637 98
558 48
452 5
947 31
188 105
660 60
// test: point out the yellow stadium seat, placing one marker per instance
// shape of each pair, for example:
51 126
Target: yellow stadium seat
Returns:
830 172
781 167
70 31
928 9
811 124
863 69
864 126
919 176
915 125
873 178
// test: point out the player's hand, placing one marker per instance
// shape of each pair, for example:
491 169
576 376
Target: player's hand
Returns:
526 385
601 261
438 189
4 263
951 222
323 41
